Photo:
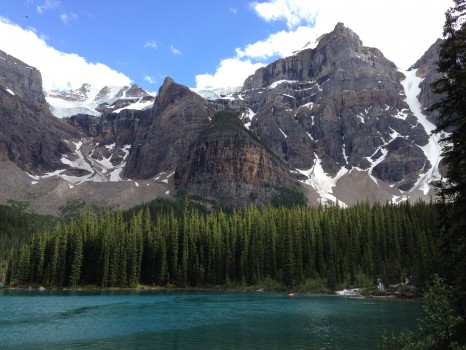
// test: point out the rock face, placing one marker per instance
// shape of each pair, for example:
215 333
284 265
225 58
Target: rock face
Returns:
228 163
132 91
342 103
164 136
25 81
427 69
29 135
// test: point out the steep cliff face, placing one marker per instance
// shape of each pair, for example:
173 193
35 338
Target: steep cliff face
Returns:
341 103
229 164
427 70
165 134
29 135
25 81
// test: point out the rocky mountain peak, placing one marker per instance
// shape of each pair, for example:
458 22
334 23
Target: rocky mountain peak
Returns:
171 93
73 95
30 136
20 79
165 134
341 33
132 91
338 108
427 63
426 68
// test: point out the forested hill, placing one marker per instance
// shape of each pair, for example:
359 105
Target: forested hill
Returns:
290 247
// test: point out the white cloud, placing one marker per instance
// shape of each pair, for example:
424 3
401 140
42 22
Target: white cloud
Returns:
233 10
68 17
47 5
282 44
59 70
149 79
174 50
231 72
152 44
402 29
293 12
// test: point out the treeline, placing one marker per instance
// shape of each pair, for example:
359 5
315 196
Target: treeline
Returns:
343 247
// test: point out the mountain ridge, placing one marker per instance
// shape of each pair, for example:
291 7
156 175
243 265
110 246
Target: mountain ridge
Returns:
340 116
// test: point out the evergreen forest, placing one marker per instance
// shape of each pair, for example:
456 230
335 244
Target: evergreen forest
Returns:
323 248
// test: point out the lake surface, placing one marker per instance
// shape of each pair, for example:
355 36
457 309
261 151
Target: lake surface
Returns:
196 320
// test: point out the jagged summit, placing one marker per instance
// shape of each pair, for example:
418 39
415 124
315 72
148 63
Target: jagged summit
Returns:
337 110
95 100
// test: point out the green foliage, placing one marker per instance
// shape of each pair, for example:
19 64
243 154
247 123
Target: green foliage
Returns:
451 87
288 197
225 120
438 325
16 228
317 249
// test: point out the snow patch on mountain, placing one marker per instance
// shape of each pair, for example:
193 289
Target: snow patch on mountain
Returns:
249 116
218 93
433 149
82 161
321 181
85 100
139 105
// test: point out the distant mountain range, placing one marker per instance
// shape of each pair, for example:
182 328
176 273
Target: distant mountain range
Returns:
336 122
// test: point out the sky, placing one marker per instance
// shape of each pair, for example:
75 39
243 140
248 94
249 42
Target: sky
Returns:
200 44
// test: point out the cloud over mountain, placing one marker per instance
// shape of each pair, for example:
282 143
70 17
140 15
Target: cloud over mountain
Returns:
401 29
59 70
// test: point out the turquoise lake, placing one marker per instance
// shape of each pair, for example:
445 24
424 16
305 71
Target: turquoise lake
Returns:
196 320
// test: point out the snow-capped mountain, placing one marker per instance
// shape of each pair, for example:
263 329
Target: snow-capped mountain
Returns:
217 93
96 100
347 121
336 117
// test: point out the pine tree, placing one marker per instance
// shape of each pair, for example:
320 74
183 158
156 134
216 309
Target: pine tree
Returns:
452 109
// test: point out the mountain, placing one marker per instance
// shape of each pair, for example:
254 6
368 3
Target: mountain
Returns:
336 121
30 136
342 115
228 163
97 100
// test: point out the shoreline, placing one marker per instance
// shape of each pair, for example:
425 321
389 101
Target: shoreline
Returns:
140 288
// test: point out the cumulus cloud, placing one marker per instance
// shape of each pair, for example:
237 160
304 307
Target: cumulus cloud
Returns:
402 29
47 5
68 17
293 12
59 70
231 72
152 44
174 50
149 79
281 44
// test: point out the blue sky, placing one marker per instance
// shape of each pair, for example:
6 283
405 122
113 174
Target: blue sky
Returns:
198 43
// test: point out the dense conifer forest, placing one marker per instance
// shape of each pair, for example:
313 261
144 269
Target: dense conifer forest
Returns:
178 244
16 227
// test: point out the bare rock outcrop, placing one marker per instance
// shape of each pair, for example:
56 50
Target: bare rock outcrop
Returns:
166 133
341 102
30 136
229 164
